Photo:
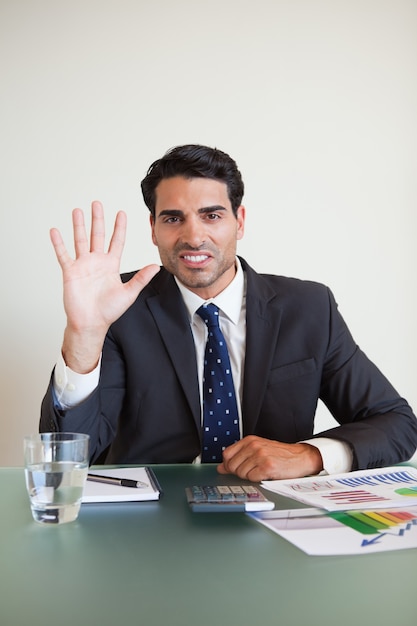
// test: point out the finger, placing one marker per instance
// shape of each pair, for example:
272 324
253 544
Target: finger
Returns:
222 469
97 235
232 457
118 238
142 278
256 474
60 250
246 469
232 452
81 245
243 457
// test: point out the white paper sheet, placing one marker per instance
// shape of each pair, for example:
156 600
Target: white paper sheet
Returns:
319 532
100 492
376 488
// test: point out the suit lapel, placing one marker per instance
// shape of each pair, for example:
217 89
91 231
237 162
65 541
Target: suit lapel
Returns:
170 315
263 318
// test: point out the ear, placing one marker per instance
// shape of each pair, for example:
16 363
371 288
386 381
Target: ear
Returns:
152 223
240 217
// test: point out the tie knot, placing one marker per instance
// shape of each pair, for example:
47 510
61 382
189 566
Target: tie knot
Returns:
209 313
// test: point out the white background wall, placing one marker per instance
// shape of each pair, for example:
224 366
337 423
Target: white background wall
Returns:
315 99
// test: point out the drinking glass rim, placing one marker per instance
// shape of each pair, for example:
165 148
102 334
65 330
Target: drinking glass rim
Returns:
60 436
62 439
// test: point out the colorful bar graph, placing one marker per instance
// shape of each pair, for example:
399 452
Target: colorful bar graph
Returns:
372 522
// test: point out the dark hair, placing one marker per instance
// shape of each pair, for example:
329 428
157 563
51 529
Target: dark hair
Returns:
194 161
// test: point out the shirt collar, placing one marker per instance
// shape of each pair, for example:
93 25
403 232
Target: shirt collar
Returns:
229 300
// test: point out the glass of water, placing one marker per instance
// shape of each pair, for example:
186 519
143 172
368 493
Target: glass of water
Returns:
56 466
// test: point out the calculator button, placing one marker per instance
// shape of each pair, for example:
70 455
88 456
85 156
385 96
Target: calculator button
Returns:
238 492
212 494
251 492
198 494
225 493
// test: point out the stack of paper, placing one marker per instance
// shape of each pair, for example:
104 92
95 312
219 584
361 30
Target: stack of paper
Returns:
354 513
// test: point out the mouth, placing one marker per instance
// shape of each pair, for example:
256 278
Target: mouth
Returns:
195 260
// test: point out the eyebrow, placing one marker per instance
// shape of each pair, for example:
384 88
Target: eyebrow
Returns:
202 211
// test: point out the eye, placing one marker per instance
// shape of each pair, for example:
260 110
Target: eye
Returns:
212 216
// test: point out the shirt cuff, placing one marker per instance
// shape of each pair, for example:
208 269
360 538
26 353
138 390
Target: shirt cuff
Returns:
71 388
337 455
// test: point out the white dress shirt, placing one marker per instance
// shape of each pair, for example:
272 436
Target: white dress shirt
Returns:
71 388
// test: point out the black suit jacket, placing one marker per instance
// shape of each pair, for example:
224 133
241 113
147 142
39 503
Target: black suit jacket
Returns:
146 408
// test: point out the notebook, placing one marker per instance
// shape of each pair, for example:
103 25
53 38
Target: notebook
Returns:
104 492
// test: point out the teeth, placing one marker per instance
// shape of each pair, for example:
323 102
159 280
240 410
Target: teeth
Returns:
196 258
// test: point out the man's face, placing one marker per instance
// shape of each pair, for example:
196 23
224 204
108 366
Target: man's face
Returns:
196 232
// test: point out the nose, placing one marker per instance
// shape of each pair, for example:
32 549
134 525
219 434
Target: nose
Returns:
194 232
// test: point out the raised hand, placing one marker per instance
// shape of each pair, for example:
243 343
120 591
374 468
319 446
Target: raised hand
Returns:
94 295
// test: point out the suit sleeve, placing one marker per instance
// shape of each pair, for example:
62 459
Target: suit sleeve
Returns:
374 420
97 415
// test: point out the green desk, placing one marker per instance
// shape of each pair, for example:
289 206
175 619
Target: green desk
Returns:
159 564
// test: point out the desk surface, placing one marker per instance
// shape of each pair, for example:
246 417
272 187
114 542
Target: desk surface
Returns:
159 564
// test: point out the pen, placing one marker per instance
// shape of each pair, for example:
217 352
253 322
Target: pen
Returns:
122 482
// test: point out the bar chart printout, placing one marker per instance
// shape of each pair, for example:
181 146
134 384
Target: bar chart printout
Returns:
344 532
365 489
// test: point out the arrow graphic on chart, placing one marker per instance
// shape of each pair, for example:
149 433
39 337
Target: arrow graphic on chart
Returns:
370 542
400 533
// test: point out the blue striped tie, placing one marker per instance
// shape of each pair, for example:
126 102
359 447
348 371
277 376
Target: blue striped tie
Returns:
220 414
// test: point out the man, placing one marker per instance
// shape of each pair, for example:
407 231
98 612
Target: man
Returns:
131 371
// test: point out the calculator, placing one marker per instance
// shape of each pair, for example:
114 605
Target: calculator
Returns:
226 498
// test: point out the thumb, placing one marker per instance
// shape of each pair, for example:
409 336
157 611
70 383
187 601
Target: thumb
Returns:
142 277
